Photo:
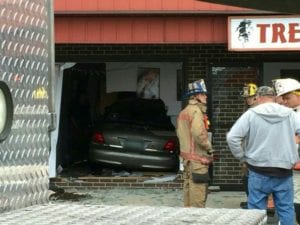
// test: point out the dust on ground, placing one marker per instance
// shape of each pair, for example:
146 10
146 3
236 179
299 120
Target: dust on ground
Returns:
149 197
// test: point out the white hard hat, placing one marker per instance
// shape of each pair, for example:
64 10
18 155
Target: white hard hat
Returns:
196 87
284 86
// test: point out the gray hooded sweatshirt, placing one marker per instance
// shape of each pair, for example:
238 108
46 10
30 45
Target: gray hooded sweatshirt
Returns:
264 136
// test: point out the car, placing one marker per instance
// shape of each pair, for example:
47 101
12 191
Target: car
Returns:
135 134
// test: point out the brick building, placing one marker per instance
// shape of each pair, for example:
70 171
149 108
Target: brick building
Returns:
93 38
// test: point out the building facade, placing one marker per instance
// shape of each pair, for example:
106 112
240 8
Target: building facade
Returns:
187 40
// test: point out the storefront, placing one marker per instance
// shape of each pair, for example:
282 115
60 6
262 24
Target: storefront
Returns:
105 43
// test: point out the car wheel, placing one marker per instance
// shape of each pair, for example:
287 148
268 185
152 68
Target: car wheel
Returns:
95 169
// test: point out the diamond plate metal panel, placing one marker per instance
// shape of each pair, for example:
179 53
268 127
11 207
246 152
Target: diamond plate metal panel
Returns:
24 67
78 214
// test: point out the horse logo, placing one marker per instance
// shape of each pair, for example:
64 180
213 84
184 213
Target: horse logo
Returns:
244 29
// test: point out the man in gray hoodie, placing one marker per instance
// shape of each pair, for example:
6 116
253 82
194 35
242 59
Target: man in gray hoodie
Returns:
267 132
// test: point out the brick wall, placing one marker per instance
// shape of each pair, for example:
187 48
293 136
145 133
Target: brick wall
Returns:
225 107
91 182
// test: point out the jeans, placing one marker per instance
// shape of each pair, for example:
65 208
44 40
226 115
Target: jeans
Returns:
261 186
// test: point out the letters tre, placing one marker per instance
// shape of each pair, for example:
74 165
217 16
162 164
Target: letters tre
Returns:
280 32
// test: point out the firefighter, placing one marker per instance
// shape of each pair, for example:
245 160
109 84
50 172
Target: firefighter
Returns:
289 89
248 93
195 147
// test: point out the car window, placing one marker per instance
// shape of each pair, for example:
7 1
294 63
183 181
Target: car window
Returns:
150 113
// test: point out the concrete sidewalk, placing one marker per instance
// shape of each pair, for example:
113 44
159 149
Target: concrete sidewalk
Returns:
160 197
226 199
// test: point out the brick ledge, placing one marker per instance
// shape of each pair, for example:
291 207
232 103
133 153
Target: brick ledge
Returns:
91 182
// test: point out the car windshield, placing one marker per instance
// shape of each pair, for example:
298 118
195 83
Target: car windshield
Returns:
148 113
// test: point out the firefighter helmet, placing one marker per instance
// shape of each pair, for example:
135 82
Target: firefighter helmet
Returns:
196 87
249 90
284 86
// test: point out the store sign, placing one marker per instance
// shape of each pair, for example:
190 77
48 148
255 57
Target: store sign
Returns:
264 33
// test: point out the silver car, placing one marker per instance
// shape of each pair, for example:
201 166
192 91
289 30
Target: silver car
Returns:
135 135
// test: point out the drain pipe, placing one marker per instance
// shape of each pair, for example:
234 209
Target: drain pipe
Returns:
51 62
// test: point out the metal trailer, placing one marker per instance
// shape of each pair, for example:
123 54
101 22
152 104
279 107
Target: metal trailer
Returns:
26 103
80 214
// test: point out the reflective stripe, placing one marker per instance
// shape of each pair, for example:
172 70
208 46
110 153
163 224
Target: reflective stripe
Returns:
184 116
194 157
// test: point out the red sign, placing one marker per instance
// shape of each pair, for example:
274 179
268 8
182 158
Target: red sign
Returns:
264 33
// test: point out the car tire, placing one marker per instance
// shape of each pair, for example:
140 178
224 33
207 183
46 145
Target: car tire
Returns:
95 169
